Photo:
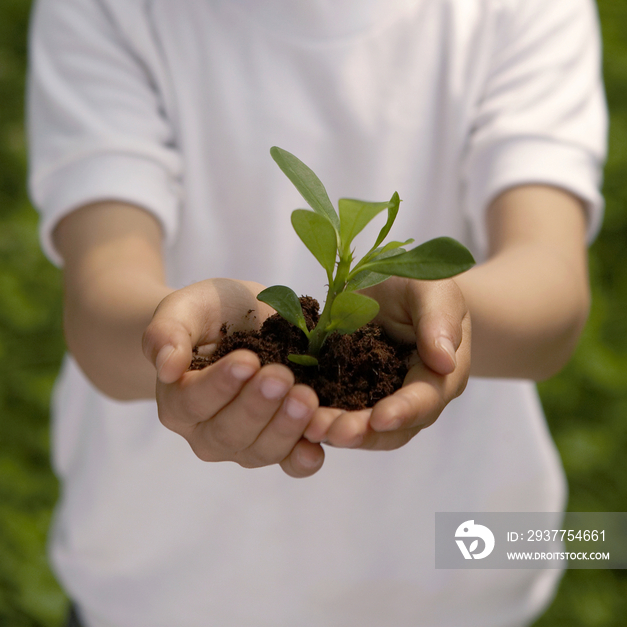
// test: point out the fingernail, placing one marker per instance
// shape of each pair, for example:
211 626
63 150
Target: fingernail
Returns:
356 441
162 357
387 425
391 425
242 372
273 389
295 409
305 460
206 350
445 344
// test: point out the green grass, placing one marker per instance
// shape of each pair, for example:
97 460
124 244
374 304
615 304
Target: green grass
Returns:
586 405
30 350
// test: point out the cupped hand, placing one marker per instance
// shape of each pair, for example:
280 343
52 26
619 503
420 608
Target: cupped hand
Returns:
234 410
434 316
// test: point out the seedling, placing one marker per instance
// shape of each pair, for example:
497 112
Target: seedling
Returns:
329 236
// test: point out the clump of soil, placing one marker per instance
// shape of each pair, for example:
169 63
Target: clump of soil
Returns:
353 372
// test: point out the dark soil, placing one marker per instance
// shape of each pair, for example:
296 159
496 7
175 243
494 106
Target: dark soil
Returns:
353 372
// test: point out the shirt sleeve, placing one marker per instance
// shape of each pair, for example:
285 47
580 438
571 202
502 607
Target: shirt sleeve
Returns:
542 116
96 122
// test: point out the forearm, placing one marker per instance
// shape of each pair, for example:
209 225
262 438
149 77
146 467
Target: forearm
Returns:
527 312
113 282
530 300
104 327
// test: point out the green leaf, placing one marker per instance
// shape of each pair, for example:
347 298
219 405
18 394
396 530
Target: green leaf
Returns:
307 183
354 216
318 235
391 248
393 206
350 311
286 303
438 258
303 360
366 278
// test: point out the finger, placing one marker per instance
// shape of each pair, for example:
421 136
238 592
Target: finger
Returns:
304 460
286 428
201 394
352 430
236 426
319 425
349 429
178 324
387 441
417 404
440 316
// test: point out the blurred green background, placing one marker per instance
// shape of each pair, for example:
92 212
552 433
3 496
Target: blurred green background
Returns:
586 404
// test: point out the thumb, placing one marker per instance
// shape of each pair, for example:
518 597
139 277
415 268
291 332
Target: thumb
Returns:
441 324
170 337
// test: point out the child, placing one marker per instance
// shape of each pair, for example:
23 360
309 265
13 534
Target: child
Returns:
150 124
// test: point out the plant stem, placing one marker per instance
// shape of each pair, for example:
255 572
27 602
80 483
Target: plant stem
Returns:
319 334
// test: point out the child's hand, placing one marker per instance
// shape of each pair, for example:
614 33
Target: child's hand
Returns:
233 410
434 315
